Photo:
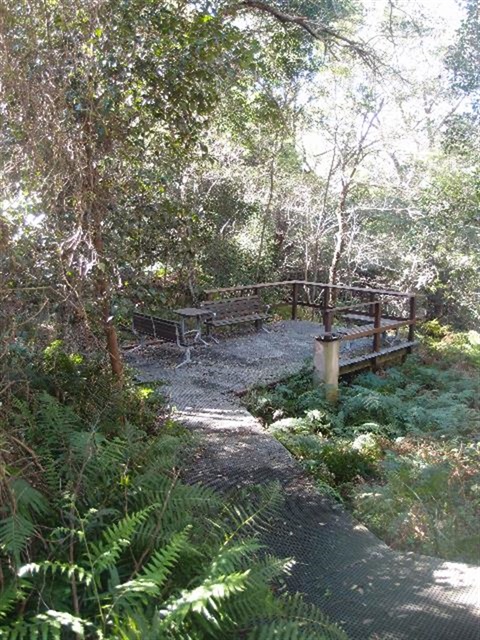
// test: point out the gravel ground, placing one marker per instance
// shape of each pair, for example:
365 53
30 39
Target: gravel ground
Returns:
373 592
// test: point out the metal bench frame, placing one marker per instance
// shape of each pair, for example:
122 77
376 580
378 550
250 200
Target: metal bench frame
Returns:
164 331
229 311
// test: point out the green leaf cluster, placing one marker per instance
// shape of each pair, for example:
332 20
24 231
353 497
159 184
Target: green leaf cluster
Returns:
400 449
100 537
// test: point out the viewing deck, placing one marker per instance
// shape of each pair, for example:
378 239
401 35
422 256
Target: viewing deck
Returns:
374 325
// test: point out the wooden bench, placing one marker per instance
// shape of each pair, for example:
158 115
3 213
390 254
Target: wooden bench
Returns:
165 331
235 311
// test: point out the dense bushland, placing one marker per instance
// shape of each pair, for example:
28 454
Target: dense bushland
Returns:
150 150
401 448
99 535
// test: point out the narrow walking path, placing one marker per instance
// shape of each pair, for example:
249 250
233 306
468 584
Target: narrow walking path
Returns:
373 592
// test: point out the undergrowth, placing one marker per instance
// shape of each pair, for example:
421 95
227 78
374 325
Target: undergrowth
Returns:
99 536
401 448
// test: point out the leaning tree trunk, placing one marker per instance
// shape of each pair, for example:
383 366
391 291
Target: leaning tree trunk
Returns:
97 196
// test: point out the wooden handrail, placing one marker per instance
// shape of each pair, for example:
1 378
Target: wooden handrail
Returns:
328 313
384 292
246 287
265 285
366 333
357 305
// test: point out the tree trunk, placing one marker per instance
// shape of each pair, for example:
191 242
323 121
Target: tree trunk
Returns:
116 362
268 206
339 246
105 300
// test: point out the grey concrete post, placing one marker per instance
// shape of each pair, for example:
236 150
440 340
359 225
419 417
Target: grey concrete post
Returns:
326 365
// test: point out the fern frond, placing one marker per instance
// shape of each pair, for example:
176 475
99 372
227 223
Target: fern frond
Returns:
46 626
152 578
27 499
54 567
62 619
18 527
308 619
9 596
28 630
204 600
253 513
15 533
115 538
54 420
233 557
285 630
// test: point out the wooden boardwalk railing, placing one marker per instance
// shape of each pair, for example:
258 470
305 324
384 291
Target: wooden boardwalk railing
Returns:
371 317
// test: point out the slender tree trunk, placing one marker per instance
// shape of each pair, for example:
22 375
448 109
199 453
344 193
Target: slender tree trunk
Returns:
267 209
105 303
339 245
319 230
97 198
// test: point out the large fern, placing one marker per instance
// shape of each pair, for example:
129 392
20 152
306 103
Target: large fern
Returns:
100 538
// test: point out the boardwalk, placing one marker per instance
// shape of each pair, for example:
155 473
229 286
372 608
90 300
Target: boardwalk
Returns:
372 591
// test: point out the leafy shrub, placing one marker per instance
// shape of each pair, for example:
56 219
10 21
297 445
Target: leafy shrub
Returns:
294 398
331 462
400 448
453 348
428 502
346 463
100 538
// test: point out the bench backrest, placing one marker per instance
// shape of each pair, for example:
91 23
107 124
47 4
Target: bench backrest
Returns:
235 307
167 330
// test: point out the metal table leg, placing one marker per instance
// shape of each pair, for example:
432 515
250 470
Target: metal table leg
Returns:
198 337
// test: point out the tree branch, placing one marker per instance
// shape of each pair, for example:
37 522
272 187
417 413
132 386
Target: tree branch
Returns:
317 30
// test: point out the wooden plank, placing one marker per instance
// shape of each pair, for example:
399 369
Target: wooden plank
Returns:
378 325
294 300
384 292
404 346
413 313
366 333
247 287
357 317
236 320
156 327
265 285
356 305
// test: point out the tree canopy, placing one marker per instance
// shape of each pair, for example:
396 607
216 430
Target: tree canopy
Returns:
150 149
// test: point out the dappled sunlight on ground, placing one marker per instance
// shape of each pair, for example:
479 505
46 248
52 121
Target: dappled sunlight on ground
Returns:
374 592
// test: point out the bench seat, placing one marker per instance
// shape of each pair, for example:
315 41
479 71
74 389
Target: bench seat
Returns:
165 331
254 317
224 313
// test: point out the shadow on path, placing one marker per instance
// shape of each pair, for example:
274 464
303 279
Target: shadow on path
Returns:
374 592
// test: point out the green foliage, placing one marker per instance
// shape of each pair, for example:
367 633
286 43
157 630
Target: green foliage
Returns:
401 447
460 349
463 57
100 538
428 500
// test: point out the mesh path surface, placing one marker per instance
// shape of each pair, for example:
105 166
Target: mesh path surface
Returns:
373 592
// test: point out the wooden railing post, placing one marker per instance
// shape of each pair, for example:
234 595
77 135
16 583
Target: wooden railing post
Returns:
377 324
371 308
412 317
327 321
294 300
326 297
